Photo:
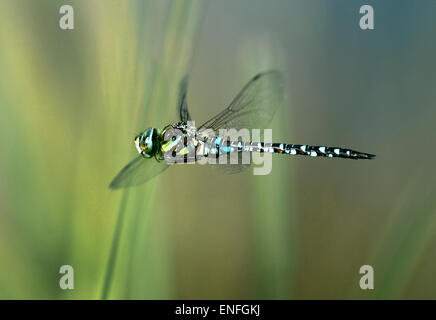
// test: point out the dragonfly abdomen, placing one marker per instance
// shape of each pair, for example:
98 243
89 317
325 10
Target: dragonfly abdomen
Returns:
304 150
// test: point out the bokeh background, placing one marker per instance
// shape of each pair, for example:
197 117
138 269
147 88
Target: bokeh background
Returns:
71 102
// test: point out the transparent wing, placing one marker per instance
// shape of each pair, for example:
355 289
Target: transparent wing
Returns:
137 171
183 105
253 108
229 168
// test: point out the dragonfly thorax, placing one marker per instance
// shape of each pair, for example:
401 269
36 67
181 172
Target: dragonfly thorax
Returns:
147 143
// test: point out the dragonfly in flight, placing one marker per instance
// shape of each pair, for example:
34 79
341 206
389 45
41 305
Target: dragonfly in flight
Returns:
253 108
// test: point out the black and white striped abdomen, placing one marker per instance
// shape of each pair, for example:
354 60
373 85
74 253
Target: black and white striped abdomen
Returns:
307 150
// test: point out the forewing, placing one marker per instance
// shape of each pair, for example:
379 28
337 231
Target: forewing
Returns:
254 107
138 171
183 105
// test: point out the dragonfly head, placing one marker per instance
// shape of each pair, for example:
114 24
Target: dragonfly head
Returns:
146 143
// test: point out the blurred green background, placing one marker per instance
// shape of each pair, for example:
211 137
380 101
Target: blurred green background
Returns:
71 102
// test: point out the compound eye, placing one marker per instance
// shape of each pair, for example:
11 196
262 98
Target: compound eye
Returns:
147 143
144 141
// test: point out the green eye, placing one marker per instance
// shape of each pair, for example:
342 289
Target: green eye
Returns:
145 143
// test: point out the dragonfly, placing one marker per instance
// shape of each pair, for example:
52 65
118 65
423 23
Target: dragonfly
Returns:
253 108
